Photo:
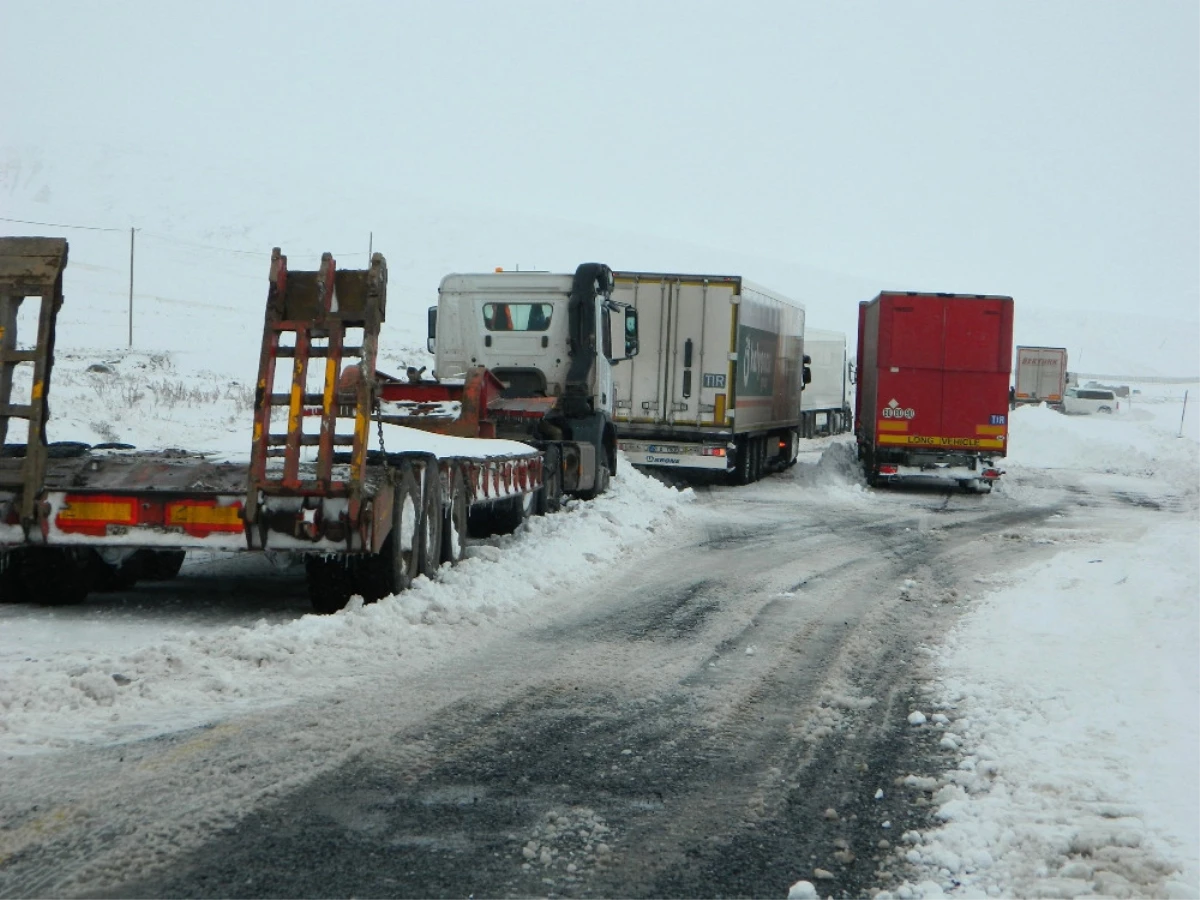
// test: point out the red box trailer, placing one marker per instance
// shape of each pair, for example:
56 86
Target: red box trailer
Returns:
932 386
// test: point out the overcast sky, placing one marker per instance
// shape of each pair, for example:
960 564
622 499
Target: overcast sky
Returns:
1048 150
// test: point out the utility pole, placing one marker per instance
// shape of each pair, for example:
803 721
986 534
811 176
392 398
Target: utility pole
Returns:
370 248
131 286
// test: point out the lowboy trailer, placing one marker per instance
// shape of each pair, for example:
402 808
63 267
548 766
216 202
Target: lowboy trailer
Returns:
366 519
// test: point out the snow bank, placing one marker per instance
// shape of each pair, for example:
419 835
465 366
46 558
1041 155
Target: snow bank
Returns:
54 700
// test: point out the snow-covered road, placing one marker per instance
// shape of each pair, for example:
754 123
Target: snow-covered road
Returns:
259 710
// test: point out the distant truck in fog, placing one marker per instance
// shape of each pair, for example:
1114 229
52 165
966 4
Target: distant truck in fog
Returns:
1041 376
825 403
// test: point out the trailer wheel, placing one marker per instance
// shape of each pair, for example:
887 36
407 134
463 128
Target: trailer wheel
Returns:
600 485
869 469
12 588
57 576
743 466
793 453
431 521
393 568
119 577
160 565
549 495
330 582
454 525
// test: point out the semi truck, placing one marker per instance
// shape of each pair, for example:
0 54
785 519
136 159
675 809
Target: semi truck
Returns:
931 394
717 386
548 344
368 514
825 403
1041 376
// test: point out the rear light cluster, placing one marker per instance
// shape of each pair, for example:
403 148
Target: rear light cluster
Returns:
888 469
712 451
991 474
93 514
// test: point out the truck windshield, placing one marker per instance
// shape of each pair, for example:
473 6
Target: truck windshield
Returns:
517 316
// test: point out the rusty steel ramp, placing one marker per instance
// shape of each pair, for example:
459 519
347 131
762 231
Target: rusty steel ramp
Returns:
31 269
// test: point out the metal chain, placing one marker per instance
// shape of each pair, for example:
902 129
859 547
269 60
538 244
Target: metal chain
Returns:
378 408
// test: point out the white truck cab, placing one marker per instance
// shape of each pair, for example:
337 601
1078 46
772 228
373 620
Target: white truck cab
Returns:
543 335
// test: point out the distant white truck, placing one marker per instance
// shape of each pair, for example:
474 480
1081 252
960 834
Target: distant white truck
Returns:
1041 376
825 403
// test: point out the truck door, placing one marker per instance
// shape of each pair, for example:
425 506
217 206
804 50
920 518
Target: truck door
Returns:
696 376
637 382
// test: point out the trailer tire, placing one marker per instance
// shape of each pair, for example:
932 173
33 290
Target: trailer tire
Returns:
431 521
394 567
600 485
120 576
793 453
160 565
549 495
330 582
743 466
454 522
12 588
57 576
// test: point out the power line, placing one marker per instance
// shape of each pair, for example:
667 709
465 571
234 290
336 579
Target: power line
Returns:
170 239
59 225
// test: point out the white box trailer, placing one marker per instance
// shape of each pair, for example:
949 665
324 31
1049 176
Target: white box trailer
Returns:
1041 376
825 403
717 382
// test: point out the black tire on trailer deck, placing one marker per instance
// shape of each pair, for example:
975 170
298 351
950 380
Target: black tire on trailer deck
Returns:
397 563
454 522
57 576
330 582
549 495
431 521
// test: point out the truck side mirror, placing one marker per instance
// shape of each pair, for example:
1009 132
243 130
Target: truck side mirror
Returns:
631 332
807 369
620 339
431 341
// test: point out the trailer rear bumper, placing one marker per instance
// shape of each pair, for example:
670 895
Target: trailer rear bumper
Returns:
711 456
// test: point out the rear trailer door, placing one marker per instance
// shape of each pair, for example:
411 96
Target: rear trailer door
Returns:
944 362
1040 373
682 376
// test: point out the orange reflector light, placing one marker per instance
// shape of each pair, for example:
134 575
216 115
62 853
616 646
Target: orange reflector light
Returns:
200 517
92 514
